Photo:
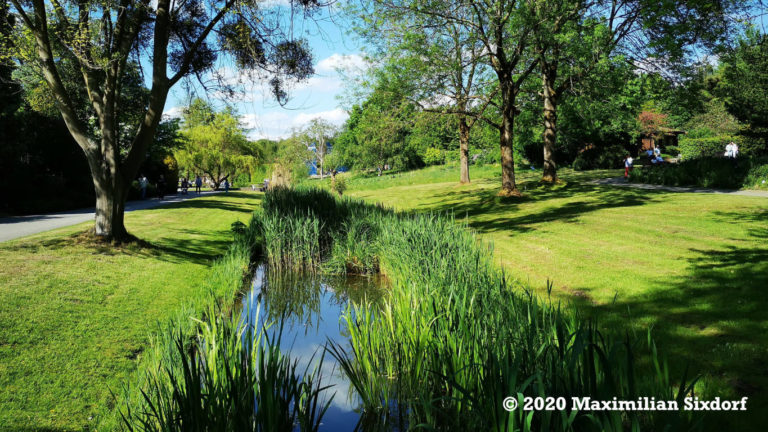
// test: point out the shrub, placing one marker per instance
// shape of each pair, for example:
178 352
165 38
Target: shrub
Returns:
339 185
486 156
434 156
693 148
711 172
597 158
757 177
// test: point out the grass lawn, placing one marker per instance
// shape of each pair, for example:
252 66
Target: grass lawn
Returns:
692 266
75 316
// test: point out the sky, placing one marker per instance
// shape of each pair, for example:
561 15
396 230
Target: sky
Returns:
336 57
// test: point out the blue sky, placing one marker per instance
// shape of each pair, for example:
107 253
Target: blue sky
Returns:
333 52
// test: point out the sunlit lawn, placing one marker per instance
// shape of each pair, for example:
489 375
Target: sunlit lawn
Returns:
75 316
693 266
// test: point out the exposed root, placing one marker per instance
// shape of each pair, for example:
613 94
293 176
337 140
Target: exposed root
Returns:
510 193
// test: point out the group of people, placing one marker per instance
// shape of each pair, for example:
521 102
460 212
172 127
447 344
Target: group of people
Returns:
144 183
185 184
731 150
654 155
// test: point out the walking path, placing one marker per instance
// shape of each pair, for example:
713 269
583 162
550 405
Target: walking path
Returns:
22 226
620 181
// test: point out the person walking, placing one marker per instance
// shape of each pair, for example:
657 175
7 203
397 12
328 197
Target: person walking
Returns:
628 161
198 184
143 182
184 185
161 187
226 186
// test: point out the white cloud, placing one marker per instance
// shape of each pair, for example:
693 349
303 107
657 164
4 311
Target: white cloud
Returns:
343 62
174 112
279 124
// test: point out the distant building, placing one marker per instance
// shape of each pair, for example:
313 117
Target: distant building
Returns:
663 137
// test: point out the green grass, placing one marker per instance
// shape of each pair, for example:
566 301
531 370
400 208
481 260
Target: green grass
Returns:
76 316
692 266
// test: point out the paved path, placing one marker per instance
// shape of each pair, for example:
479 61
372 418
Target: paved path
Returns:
21 226
620 181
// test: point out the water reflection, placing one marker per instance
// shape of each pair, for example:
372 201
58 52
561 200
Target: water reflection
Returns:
310 308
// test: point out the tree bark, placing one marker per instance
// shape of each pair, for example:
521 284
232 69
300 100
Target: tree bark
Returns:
550 96
506 142
464 149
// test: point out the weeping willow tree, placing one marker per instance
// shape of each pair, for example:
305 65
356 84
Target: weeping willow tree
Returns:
214 144
174 40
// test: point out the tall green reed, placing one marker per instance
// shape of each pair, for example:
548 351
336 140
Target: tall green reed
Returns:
231 378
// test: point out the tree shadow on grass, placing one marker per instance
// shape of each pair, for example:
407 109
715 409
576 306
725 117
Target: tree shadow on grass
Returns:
179 243
714 318
210 203
500 214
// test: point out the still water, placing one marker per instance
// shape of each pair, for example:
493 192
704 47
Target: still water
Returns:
311 307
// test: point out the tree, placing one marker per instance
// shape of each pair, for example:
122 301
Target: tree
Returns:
744 86
319 133
100 38
214 143
376 132
436 61
574 36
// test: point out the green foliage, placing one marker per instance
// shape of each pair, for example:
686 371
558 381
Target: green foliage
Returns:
214 143
289 166
710 147
757 177
376 133
711 172
745 83
715 120
339 185
434 156
231 377
595 158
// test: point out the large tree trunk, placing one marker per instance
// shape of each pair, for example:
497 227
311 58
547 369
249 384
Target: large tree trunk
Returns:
464 149
506 142
111 193
110 213
550 96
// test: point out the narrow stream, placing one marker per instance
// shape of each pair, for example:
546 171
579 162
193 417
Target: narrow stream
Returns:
311 307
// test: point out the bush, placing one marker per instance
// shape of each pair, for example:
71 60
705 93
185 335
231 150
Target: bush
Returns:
486 156
711 172
339 185
597 158
434 156
693 148
757 177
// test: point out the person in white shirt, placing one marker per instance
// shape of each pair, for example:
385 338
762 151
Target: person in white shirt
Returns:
734 150
628 161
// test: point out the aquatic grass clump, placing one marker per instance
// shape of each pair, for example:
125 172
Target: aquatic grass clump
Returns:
230 378
355 249
292 242
455 336
303 227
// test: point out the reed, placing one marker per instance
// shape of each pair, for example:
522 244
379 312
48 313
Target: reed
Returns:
231 378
